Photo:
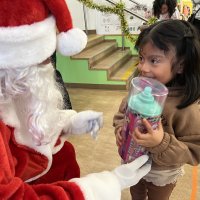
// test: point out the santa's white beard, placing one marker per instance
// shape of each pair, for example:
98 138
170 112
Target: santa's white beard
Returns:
31 102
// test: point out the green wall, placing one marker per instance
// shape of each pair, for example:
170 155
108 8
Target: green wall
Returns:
127 43
76 71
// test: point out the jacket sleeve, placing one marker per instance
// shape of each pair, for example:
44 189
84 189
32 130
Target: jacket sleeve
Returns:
118 119
181 142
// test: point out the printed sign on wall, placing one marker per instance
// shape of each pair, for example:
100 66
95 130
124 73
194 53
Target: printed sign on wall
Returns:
109 24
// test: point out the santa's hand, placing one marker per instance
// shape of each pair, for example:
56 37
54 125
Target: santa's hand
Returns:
107 185
86 122
130 174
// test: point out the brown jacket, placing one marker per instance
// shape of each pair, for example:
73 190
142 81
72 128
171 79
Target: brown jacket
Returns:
181 142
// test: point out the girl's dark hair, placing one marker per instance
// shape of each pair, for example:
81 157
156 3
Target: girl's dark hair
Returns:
157 4
183 37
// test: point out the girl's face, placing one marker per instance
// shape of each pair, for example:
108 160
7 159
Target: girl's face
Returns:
153 63
164 9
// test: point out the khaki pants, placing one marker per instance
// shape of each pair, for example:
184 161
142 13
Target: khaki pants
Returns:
145 189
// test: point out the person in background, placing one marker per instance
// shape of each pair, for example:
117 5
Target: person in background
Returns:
61 84
165 9
169 51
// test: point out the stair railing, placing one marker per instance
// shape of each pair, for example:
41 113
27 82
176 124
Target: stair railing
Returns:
130 12
85 19
134 2
126 10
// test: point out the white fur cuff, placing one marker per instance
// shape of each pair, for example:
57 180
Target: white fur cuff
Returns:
98 186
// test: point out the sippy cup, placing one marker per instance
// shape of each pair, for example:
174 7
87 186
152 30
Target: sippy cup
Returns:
146 100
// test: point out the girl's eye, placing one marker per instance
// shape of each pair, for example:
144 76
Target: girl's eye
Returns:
154 60
140 59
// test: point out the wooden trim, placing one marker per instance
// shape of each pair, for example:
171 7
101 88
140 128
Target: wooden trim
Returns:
95 86
91 31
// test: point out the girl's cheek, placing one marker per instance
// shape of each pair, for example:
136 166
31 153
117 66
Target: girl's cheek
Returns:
139 66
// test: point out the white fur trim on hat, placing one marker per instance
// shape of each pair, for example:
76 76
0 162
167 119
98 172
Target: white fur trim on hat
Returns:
71 42
25 45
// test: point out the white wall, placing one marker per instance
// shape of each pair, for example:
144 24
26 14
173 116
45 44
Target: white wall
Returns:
76 9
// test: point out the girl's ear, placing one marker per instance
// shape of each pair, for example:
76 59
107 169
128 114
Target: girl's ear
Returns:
180 68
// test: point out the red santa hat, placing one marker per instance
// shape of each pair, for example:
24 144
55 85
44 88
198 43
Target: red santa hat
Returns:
28 32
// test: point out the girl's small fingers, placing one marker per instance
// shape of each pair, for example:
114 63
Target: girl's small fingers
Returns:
137 140
147 125
136 133
139 135
134 138
119 143
120 137
160 125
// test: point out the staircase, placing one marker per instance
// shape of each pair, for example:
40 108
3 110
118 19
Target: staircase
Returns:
105 55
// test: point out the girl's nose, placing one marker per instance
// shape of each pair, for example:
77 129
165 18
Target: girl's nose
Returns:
144 67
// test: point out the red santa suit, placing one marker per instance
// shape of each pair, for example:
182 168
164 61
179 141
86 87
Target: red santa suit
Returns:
20 163
35 164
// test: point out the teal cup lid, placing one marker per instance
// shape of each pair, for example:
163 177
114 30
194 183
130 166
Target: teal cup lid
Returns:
145 103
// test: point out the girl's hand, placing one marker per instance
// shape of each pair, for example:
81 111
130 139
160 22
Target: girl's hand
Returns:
150 139
118 135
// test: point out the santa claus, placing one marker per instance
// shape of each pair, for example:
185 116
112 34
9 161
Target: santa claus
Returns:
36 161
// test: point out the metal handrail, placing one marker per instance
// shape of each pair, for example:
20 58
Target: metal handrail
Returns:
128 11
134 2
85 20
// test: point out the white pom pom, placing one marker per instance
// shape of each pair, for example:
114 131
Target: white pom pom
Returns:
71 42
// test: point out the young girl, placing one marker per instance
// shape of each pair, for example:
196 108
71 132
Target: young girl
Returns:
169 51
165 9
